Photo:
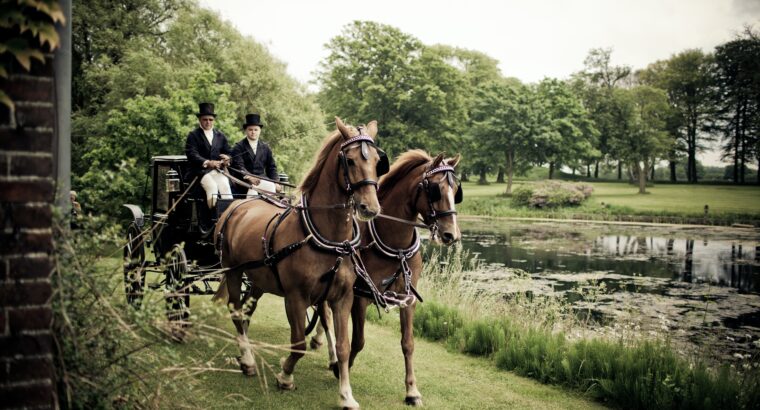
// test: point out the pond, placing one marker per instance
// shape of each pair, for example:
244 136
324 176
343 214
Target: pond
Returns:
697 286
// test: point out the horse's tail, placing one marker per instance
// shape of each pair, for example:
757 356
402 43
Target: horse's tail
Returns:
222 294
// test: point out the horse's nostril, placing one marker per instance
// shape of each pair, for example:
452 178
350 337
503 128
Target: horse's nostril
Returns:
363 207
447 237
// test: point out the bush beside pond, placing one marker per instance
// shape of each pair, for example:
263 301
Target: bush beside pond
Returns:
549 194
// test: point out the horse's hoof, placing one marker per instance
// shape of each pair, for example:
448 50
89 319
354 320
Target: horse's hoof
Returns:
285 385
413 401
246 369
349 404
315 344
335 369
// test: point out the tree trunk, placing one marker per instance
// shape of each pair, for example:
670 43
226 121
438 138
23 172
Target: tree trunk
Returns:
482 180
588 170
551 170
510 171
465 175
652 177
758 169
573 171
693 149
620 170
500 175
596 169
673 174
642 171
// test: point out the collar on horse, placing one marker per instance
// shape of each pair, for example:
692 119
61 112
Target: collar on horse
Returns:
410 294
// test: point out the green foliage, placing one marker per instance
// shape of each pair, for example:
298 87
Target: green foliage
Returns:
551 194
28 28
375 71
145 91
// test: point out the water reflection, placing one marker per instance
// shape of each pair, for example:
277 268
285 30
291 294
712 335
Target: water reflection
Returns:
718 262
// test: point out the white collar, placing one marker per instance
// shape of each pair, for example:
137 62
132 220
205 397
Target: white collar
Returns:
253 145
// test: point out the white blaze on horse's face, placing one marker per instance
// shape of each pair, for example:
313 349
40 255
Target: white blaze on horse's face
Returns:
366 204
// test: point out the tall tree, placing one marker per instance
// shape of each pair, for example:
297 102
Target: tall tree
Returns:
504 122
737 83
376 71
686 79
596 84
646 140
565 132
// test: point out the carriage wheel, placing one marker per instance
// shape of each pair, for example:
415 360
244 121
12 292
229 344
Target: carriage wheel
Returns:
134 266
177 292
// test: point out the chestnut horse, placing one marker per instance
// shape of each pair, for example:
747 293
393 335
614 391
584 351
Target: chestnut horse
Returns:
416 184
297 251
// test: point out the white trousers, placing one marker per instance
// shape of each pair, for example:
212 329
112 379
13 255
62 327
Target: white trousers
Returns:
215 182
265 185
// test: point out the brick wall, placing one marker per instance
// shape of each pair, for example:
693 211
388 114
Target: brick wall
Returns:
27 377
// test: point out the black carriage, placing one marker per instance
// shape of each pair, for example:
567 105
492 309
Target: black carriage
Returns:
179 231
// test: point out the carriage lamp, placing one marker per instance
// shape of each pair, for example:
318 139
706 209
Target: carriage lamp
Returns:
283 177
172 181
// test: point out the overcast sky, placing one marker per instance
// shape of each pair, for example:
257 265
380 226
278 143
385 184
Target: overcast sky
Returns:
530 39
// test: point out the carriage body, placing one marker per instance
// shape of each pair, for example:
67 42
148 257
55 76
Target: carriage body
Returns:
185 260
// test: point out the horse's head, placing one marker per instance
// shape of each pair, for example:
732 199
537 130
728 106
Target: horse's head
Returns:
361 163
439 191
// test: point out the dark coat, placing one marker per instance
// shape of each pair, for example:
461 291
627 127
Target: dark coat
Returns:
198 150
262 164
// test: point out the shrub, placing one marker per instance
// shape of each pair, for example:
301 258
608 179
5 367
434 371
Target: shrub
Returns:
549 194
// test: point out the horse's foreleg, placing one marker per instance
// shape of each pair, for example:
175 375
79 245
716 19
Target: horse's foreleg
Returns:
295 307
358 318
235 304
249 303
413 396
341 310
326 324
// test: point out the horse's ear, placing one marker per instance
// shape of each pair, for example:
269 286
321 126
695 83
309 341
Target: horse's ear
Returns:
372 128
454 161
437 161
342 128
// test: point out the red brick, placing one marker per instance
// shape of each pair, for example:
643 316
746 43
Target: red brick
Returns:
28 396
27 369
28 268
28 88
25 165
26 191
25 242
26 140
37 318
28 216
25 345
17 293
34 116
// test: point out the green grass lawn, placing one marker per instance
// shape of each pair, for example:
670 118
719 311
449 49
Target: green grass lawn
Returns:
447 380
734 203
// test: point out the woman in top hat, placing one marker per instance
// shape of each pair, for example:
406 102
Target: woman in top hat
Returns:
208 151
254 156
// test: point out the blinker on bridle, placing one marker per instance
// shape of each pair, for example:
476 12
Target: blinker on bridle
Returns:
365 141
433 191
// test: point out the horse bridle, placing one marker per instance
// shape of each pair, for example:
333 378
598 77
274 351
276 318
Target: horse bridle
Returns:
365 141
431 218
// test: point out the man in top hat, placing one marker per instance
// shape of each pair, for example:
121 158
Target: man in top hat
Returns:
254 156
208 152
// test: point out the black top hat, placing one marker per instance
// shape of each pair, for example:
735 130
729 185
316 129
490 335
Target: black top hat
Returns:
252 119
205 108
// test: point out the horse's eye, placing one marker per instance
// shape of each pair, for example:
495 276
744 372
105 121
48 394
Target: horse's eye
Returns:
351 162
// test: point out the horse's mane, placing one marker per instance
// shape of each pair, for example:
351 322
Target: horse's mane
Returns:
407 162
312 177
